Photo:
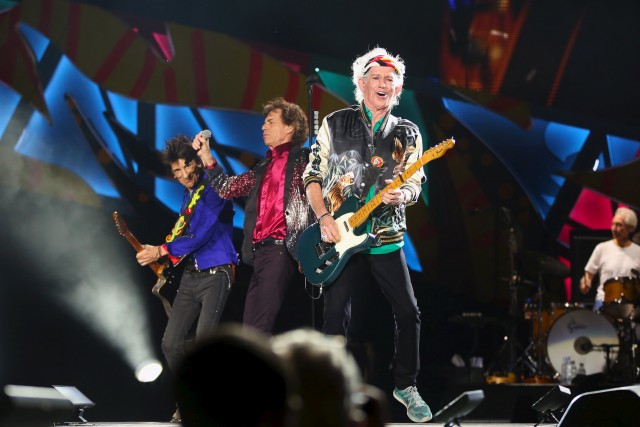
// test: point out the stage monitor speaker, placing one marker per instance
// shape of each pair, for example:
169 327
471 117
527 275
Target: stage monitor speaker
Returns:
582 244
554 401
28 406
79 401
618 407
459 407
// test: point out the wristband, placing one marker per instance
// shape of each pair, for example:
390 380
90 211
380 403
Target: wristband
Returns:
322 216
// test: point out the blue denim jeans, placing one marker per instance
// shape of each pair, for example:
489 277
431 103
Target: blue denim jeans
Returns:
201 296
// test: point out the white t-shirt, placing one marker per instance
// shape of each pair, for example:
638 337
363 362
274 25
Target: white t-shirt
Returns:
613 261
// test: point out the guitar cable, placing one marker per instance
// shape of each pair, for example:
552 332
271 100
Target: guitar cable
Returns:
312 286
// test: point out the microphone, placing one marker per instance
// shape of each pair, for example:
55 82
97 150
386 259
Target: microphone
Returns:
313 79
582 345
206 134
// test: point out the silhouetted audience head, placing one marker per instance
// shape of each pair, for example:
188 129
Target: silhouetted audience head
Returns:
232 378
328 381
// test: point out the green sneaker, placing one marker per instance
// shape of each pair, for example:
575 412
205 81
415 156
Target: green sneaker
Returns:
417 410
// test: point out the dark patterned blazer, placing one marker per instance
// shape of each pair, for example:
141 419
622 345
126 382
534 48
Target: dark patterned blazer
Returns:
298 213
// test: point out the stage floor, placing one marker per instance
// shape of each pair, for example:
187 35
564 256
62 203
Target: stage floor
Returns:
155 424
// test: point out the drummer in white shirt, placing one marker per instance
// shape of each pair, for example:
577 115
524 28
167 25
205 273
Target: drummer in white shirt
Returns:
616 260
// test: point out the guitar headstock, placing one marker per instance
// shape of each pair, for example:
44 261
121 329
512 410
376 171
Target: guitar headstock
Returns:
447 144
120 224
437 150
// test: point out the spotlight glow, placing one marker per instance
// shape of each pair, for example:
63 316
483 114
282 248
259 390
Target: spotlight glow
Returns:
102 295
108 308
149 371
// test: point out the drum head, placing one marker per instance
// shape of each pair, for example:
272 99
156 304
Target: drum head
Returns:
584 326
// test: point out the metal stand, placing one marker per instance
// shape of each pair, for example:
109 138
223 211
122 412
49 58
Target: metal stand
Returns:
513 289
540 338
510 343
311 81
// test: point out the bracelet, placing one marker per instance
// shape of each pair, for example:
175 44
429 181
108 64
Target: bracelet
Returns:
322 216
404 194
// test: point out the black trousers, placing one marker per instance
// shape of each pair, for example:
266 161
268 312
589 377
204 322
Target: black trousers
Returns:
273 269
391 274
200 296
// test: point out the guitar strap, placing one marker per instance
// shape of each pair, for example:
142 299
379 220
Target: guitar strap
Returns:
185 217
178 228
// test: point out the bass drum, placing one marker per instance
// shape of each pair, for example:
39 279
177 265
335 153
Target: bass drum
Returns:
579 335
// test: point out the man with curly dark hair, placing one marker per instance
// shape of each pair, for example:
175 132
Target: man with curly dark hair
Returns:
202 240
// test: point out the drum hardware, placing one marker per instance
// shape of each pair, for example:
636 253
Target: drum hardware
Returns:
545 267
514 280
540 374
627 365
621 295
510 345
583 345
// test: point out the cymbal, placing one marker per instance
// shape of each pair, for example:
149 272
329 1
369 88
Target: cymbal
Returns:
544 263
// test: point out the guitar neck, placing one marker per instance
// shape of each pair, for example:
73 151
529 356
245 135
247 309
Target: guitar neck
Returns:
157 267
133 241
361 215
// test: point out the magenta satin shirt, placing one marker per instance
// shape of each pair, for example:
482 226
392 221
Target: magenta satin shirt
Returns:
270 221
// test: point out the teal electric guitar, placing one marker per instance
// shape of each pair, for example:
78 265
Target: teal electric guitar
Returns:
322 262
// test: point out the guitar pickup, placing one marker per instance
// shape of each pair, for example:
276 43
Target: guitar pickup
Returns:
323 247
327 263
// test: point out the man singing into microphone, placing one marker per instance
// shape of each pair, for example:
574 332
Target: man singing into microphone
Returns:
276 211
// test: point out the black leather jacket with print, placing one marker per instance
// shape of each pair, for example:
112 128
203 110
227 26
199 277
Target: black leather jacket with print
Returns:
347 159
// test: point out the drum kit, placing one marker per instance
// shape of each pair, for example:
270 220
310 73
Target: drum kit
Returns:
601 342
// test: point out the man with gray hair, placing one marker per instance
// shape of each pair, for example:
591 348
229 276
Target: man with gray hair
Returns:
616 258
358 151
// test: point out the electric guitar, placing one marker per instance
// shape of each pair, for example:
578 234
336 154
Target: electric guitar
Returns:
322 262
157 267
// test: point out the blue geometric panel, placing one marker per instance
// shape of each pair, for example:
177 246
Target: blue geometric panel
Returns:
549 146
564 141
125 111
63 144
413 262
37 41
622 150
169 192
9 100
174 120
242 130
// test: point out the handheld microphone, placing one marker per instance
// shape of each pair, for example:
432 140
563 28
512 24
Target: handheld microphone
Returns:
206 134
